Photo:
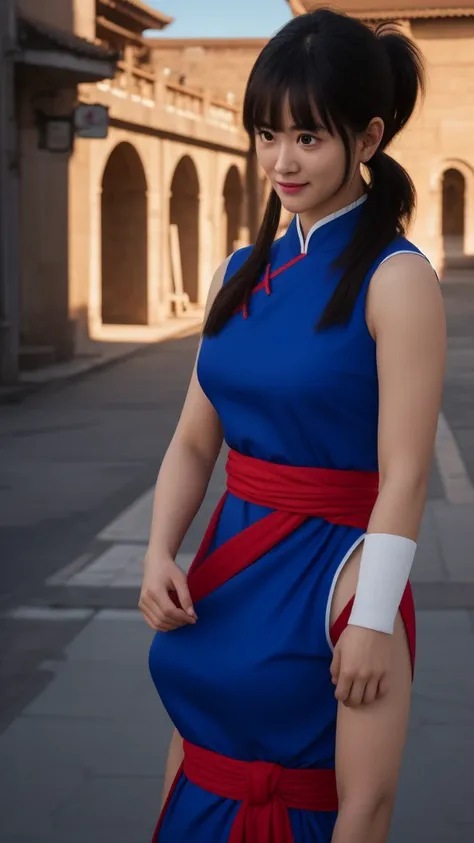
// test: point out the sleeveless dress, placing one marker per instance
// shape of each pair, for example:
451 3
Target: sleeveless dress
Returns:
251 679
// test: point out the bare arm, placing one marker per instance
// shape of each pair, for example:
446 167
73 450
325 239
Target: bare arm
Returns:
189 461
180 488
405 314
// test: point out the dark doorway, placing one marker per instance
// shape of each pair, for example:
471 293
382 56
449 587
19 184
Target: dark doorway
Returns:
184 212
454 193
124 239
233 195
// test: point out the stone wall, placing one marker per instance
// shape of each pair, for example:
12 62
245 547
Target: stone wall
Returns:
441 135
58 13
222 66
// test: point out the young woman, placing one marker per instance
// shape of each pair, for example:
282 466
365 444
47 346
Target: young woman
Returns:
321 366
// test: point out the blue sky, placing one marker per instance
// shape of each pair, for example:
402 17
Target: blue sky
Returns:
223 18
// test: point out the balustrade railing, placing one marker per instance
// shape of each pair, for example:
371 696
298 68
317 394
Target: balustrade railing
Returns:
184 100
145 86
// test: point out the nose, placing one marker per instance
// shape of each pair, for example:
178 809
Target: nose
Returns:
285 162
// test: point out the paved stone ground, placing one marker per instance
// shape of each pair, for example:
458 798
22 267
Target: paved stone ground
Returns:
82 733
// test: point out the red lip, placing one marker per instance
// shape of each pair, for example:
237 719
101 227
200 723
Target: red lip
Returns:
291 188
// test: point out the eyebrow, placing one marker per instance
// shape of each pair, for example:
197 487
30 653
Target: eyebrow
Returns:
293 128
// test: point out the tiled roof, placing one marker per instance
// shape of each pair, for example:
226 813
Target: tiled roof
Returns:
158 18
36 35
375 9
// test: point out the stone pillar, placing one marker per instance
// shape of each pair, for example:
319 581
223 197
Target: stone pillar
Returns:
84 18
154 176
431 209
469 215
154 228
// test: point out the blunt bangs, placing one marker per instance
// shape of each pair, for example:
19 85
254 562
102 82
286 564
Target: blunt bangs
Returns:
283 74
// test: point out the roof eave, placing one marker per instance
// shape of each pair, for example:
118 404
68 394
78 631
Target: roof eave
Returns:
415 14
146 17
219 43
80 68
298 8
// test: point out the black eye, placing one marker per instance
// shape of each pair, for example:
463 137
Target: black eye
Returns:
307 140
265 135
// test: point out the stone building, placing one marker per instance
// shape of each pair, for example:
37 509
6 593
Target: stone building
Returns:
94 255
437 148
94 238
42 60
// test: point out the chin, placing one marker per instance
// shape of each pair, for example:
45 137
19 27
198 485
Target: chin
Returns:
296 204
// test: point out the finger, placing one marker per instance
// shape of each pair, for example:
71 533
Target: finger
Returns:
149 619
180 583
344 686
356 695
161 602
370 693
153 613
149 615
336 665
171 612
157 622
383 686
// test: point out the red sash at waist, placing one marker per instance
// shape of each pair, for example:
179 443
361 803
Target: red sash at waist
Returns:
265 791
294 494
341 497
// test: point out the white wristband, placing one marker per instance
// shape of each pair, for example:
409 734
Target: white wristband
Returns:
385 567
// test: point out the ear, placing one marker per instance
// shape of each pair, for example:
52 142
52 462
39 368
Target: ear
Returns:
371 139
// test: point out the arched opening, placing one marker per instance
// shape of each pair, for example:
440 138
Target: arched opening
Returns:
184 213
454 204
233 195
124 239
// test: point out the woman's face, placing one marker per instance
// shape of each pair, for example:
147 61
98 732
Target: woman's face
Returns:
306 168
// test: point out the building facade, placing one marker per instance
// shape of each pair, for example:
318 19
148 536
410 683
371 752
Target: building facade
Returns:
437 146
110 230
99 239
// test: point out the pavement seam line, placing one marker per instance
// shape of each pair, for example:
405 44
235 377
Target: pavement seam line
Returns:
454 475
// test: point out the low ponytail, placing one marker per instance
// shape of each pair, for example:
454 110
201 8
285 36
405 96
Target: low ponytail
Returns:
387 212
391 194
408 75
238 289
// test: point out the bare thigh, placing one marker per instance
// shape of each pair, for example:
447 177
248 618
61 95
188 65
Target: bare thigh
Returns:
370 739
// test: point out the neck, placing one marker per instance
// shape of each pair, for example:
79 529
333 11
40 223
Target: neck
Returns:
340 200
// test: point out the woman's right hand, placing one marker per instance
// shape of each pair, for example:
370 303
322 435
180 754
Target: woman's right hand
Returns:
160 577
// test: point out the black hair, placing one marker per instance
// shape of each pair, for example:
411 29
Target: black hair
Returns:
335 68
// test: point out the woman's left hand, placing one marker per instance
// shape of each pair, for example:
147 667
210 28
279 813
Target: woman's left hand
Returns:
361 665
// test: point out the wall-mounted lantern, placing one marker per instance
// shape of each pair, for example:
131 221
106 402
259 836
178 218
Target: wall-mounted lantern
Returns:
57 132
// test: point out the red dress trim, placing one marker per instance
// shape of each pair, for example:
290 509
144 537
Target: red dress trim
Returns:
265 283
294 494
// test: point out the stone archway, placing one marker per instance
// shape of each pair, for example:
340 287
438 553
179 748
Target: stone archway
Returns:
453 214
233 196
124 239
184 213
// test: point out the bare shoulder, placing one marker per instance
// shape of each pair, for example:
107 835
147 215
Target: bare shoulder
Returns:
405 295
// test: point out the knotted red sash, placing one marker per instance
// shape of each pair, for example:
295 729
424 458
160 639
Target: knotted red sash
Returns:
294 494
265 791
